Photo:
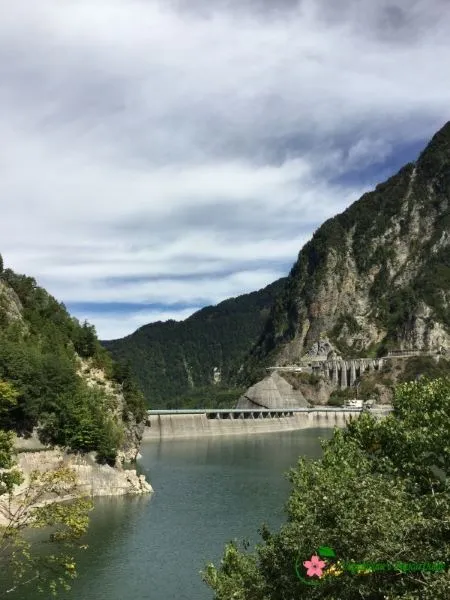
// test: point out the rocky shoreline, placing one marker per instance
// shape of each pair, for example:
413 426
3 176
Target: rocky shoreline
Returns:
94 480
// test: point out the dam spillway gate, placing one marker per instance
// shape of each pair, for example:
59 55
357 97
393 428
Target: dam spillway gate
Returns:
250 414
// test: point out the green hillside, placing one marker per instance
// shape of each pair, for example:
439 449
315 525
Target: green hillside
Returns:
174 361
42 353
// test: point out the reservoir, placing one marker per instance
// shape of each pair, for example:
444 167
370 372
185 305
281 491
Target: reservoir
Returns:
207 492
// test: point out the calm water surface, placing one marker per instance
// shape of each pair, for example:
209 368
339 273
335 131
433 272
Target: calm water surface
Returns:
207 492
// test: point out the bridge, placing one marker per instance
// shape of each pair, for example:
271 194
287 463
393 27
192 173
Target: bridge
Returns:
344 372
192 423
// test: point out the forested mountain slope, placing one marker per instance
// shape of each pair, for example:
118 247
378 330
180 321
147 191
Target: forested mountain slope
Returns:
56 377
174 362
375 277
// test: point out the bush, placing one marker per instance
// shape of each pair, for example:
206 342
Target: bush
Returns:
418 366
336 401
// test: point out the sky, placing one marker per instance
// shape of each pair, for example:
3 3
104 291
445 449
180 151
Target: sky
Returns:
158 157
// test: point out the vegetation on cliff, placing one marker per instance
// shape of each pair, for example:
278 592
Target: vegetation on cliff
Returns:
375 276
40 350
173 362
378 495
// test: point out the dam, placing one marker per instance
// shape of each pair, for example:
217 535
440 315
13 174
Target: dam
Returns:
179 424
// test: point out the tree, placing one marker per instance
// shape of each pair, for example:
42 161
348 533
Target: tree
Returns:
86 341
379 494
8 400
35 503
1 264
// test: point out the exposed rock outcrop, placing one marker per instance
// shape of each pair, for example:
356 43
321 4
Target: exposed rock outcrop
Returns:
10 305
133 431
272 392
373 278
93 479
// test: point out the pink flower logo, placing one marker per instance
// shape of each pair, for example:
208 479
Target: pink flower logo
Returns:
314 566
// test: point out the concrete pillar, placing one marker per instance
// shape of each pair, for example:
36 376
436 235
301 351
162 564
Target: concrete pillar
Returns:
335 373
343 374
352 372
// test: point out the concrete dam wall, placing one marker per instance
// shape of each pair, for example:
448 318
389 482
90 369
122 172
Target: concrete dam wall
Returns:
178 426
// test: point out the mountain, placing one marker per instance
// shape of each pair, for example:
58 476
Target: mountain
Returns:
174 362
57 382
372 279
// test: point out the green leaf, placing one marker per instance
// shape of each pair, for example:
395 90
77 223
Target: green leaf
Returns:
326 551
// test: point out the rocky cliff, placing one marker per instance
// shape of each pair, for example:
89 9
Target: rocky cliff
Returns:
374 278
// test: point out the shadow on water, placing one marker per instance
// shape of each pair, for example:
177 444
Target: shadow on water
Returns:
207 492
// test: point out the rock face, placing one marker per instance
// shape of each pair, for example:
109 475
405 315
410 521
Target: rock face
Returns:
272 392
133 431
94 479
317 394
374 278
10 303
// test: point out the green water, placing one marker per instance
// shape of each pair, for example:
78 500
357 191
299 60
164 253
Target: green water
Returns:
207 491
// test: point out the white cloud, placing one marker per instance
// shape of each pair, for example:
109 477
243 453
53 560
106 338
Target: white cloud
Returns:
160 140
171 291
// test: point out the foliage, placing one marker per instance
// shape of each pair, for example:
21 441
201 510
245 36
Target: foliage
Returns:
419 366
135 404
349 322
9 476
8 400
299 379
80 420
335 400
341 395
39 381
85 340
38 507
367 388
379 494
173 362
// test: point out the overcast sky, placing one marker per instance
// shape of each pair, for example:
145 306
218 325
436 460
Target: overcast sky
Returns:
157 157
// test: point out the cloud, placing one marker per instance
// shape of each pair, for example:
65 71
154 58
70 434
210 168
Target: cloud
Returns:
184 151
